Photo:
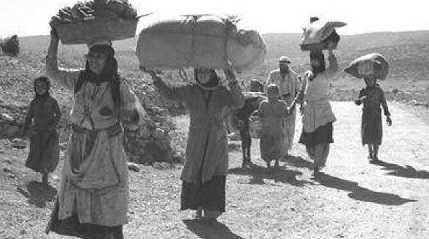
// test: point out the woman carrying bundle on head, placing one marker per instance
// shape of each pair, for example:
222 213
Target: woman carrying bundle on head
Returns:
204 174
317 112
371 67
93 196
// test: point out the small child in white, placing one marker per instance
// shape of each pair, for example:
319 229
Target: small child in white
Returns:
272 113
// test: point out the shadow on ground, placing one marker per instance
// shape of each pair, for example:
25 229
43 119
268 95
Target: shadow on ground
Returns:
38 193
360 193
260 173
402 171
210 230
297 161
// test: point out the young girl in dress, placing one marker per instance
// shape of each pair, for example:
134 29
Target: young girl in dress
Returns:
272 112
372 98
40 125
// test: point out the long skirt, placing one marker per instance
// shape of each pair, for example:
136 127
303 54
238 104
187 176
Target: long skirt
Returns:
72 227
317 144
93 198
322 135
372 128
44 152
319 154
209 196
270 147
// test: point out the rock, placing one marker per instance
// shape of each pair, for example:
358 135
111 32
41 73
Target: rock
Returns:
157 165
133 167
161 165
7 117
18 143
7 170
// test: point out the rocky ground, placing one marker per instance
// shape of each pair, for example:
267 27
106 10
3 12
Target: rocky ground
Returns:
353 199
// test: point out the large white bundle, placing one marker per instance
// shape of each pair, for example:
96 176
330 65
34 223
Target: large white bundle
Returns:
203 41
316 34
373 64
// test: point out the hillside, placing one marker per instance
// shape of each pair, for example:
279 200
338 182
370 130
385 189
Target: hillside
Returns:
406 51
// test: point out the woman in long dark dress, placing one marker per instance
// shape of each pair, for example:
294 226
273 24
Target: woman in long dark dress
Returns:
204 174
41 125
372 98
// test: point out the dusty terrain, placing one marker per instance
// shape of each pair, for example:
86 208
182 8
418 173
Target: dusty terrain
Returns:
353 199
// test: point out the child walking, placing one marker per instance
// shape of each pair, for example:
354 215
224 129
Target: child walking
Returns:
372 129
40 125
272 113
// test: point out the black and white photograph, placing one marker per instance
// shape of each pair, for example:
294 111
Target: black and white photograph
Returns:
198 119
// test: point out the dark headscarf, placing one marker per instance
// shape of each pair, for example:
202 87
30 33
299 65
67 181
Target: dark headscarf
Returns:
213 82
109 73
48 86
256 86
317 55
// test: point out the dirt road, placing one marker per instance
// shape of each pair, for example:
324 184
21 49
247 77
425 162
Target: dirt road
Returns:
353 199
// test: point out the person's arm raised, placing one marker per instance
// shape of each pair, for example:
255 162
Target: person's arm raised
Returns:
176 93
66 77
237 98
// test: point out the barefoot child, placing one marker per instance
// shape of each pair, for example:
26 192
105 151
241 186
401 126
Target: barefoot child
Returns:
272 112
40 125
372 129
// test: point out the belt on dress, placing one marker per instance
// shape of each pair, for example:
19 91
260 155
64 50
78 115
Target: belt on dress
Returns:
113 130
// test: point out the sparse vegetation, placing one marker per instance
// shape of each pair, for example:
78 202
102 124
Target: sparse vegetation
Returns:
287 203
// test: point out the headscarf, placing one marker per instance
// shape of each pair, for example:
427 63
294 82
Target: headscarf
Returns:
213 82
108 74
48 86
317 55
273 88
256 86
284 59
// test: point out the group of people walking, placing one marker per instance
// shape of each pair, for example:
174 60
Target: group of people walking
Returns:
93 196
312 92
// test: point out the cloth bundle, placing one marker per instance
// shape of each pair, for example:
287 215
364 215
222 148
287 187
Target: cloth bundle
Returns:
373 64
199 41
94 21
317 35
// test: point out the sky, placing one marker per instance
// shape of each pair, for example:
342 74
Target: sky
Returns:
31 17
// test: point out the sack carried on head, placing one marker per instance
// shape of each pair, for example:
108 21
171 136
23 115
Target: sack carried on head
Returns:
373 64
199 41
318 33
